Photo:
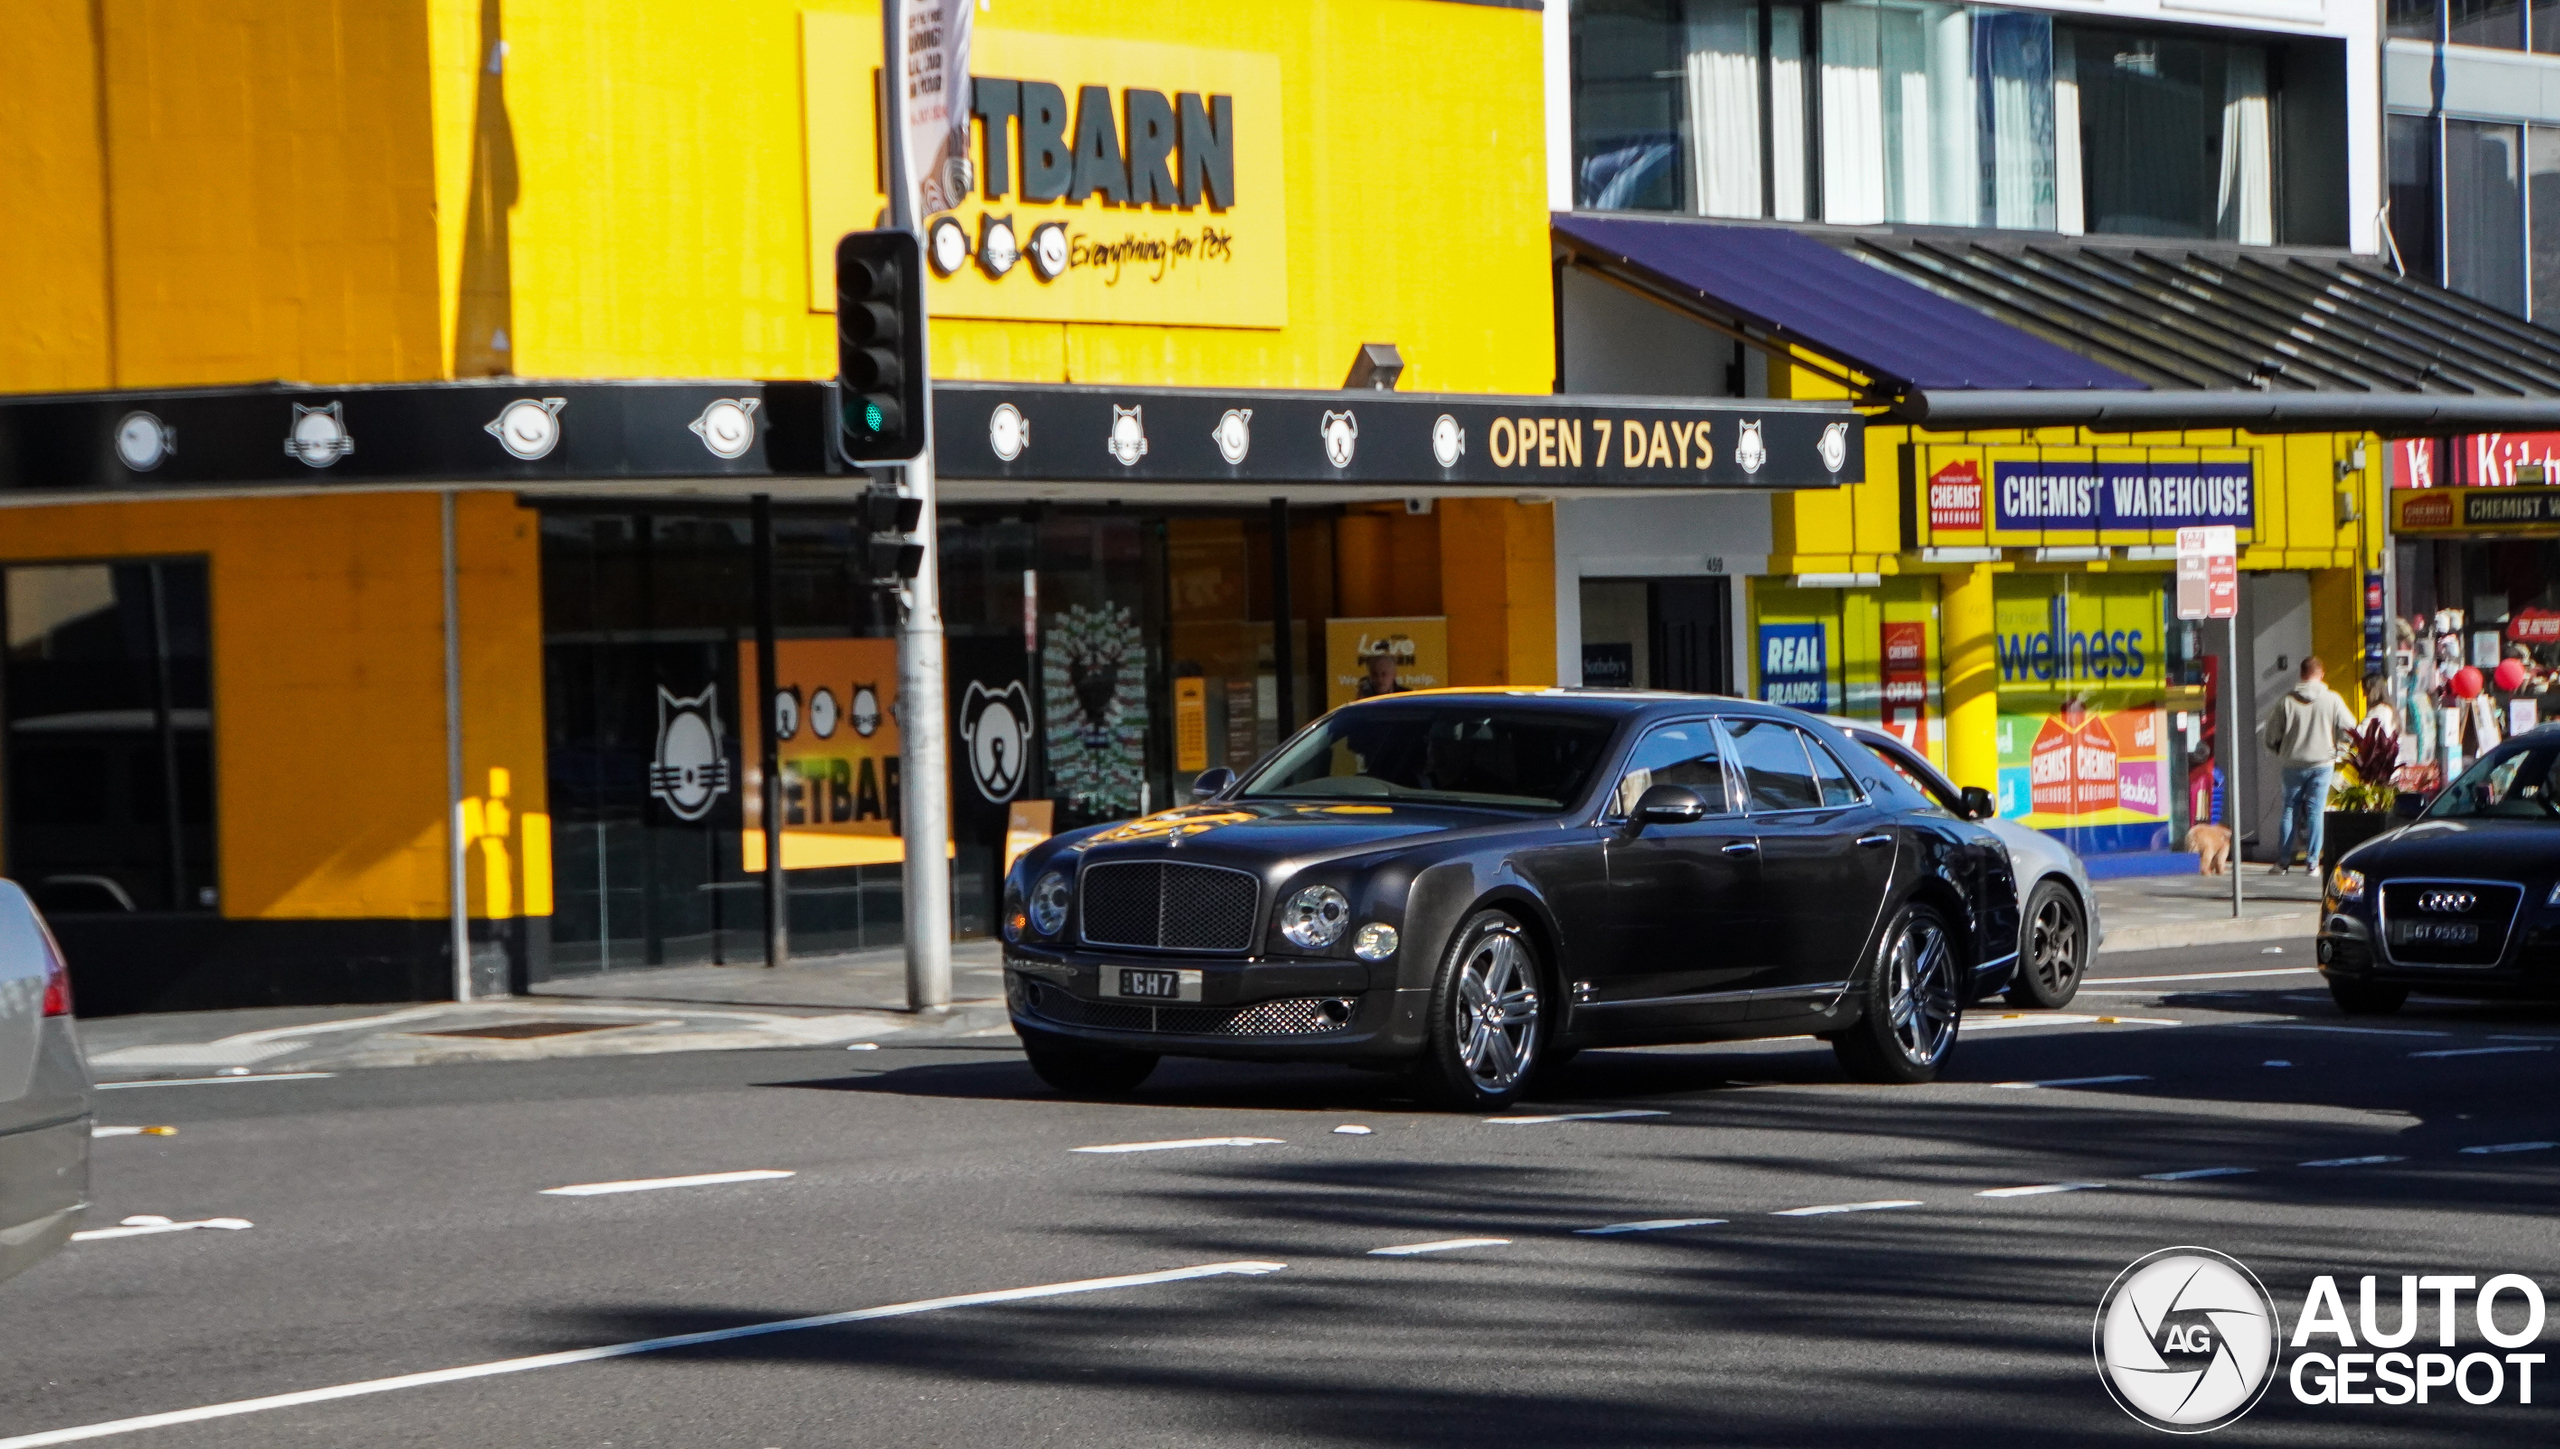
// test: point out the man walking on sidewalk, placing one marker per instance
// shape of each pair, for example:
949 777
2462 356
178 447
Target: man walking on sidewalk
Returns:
2304 731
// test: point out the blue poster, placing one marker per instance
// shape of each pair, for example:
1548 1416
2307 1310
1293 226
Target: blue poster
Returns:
1793 667
2082 495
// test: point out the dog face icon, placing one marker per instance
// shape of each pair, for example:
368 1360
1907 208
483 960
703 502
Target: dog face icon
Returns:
1341 434
995 724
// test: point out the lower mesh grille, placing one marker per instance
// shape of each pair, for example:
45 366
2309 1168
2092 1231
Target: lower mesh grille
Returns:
1289 1016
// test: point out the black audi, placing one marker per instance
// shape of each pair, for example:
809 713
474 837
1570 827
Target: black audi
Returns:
1476 884
2462 901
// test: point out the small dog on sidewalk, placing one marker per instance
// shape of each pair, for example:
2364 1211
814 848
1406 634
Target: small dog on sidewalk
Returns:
2212 845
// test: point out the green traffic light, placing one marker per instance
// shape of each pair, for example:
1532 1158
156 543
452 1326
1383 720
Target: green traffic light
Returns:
871 417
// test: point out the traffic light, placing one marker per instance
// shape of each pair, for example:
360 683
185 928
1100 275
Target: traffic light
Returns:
891 557
880 345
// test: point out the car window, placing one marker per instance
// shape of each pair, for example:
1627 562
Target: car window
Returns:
1936 791
1837 787
1453 752
1775 772
1681 754
2521 785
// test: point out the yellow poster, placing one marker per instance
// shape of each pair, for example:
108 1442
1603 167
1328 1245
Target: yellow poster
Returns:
837 727
1365 658
1190 724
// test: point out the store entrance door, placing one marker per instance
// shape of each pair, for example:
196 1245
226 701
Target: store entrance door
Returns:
2275 635
1674 633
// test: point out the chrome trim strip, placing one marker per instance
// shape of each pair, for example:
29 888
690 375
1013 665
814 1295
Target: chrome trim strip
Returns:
2382 922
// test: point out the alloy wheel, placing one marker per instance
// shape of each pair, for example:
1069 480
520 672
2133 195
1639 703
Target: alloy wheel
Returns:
2053 947
1922 1004
1496 1009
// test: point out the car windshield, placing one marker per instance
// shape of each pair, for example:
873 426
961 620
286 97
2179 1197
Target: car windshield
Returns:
2522 784
1456 754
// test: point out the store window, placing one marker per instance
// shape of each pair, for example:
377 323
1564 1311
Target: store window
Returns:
2087 673
2413 143
2484 214
1868 653
1875 111
108 691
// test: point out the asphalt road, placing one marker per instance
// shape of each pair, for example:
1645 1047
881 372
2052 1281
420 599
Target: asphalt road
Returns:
399 1225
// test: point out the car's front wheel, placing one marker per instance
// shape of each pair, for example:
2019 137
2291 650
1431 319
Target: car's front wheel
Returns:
2053 950
1488 1021
1913 999
2365 998
1081 1069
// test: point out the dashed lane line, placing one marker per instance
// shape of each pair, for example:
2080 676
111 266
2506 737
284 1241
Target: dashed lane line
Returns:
1180 1143
2497 1051
1573 1117
653 1184
624 1350
2202 976
1819 1210
1410 1250
1649 1225
145 1225
2040 1189
218 1081
2070 1082
2350 1161
2193 1173
2498 1147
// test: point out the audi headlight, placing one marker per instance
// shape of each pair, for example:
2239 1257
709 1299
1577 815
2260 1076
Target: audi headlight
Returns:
1314 918
1376 942
1049 903
2346 885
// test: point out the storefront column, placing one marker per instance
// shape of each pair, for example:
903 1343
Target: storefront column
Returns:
2337 632
1498 589
1972 679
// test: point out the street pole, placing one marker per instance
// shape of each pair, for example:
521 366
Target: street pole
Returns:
777 891
2231 729
924 755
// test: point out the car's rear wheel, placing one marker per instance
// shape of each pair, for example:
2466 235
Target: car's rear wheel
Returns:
1488 1020
1081 1069
2365 998
1914 998
2053 948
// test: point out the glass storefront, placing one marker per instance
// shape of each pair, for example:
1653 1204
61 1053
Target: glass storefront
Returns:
1867 653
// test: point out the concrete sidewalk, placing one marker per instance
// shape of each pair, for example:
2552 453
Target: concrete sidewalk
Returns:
2158 912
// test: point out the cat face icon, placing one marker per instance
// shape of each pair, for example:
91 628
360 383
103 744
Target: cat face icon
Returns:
995 724
1234 435
998 247
1341 433
319 435
1834 446
690 770
1747 448
1128 440
865 710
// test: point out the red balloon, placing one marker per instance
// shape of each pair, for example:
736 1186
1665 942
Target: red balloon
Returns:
2510 675
2466 682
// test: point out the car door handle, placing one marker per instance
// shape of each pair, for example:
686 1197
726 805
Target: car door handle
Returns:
1743 847
1876 839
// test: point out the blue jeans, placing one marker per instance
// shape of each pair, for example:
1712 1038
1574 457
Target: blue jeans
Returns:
2306 797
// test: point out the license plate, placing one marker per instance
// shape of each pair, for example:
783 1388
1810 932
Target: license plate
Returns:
2440 933
1150 983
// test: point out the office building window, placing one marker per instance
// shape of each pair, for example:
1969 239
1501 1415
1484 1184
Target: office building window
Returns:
2412 142
2413 19
2484 232
2542 207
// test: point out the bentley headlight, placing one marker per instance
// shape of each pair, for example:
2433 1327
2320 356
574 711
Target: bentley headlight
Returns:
1376 942
1314 918
1016 914
1049 903
2346 885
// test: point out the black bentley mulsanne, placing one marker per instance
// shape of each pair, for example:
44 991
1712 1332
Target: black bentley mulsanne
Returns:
1480 883
2463 901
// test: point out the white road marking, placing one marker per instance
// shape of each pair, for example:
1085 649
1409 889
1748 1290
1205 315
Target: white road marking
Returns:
1574 1117
863 1046
652 1184
144 1225
2271 951
1804 1212
219 1081
2275 1062
2503 1036
2013 1018
1182 1142
2478 1051
1405 1250
2349 1030
133 1131
1650 1225
624 1350
2511 1147
2138 1021
1351 1129
2070 1082
2040 1189
2349 1161
2193 1173
2205 976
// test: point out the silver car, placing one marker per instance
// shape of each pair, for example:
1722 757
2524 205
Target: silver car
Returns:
2057 911
45 1097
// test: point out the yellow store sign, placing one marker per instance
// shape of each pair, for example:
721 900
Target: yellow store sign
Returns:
1113 180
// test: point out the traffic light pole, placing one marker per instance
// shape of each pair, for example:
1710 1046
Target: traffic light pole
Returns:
925 768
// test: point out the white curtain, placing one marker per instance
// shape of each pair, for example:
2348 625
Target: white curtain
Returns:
2016 64
1786 116
1955 175
1853 139
1723 75
2245 206
2068 216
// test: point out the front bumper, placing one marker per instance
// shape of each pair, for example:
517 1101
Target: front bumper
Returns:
1251 1009
2528 970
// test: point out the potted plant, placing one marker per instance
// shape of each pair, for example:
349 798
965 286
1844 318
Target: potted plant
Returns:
2360 802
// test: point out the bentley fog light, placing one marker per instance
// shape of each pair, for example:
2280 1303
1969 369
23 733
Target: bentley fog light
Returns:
1049 903
1314 917
2347 885
1376 942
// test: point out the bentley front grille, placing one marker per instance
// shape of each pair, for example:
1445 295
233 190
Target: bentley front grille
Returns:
1163 906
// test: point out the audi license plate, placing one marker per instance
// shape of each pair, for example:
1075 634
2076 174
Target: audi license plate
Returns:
2440 933
1150 983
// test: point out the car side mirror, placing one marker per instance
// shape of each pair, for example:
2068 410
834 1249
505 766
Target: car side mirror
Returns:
1978 804
1211 782
1670 805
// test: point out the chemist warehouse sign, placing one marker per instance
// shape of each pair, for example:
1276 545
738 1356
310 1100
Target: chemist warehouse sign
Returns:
1113 181
2045 496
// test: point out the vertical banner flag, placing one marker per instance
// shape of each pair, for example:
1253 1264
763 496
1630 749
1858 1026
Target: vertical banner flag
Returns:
934 76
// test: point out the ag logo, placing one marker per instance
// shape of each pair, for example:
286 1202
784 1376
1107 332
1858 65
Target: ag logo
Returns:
1341 431
2186 1340
1748 449
690 770
1128 440
996 726
1834 446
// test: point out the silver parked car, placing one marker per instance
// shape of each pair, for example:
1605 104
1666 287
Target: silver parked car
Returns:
45 1095
2057 911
